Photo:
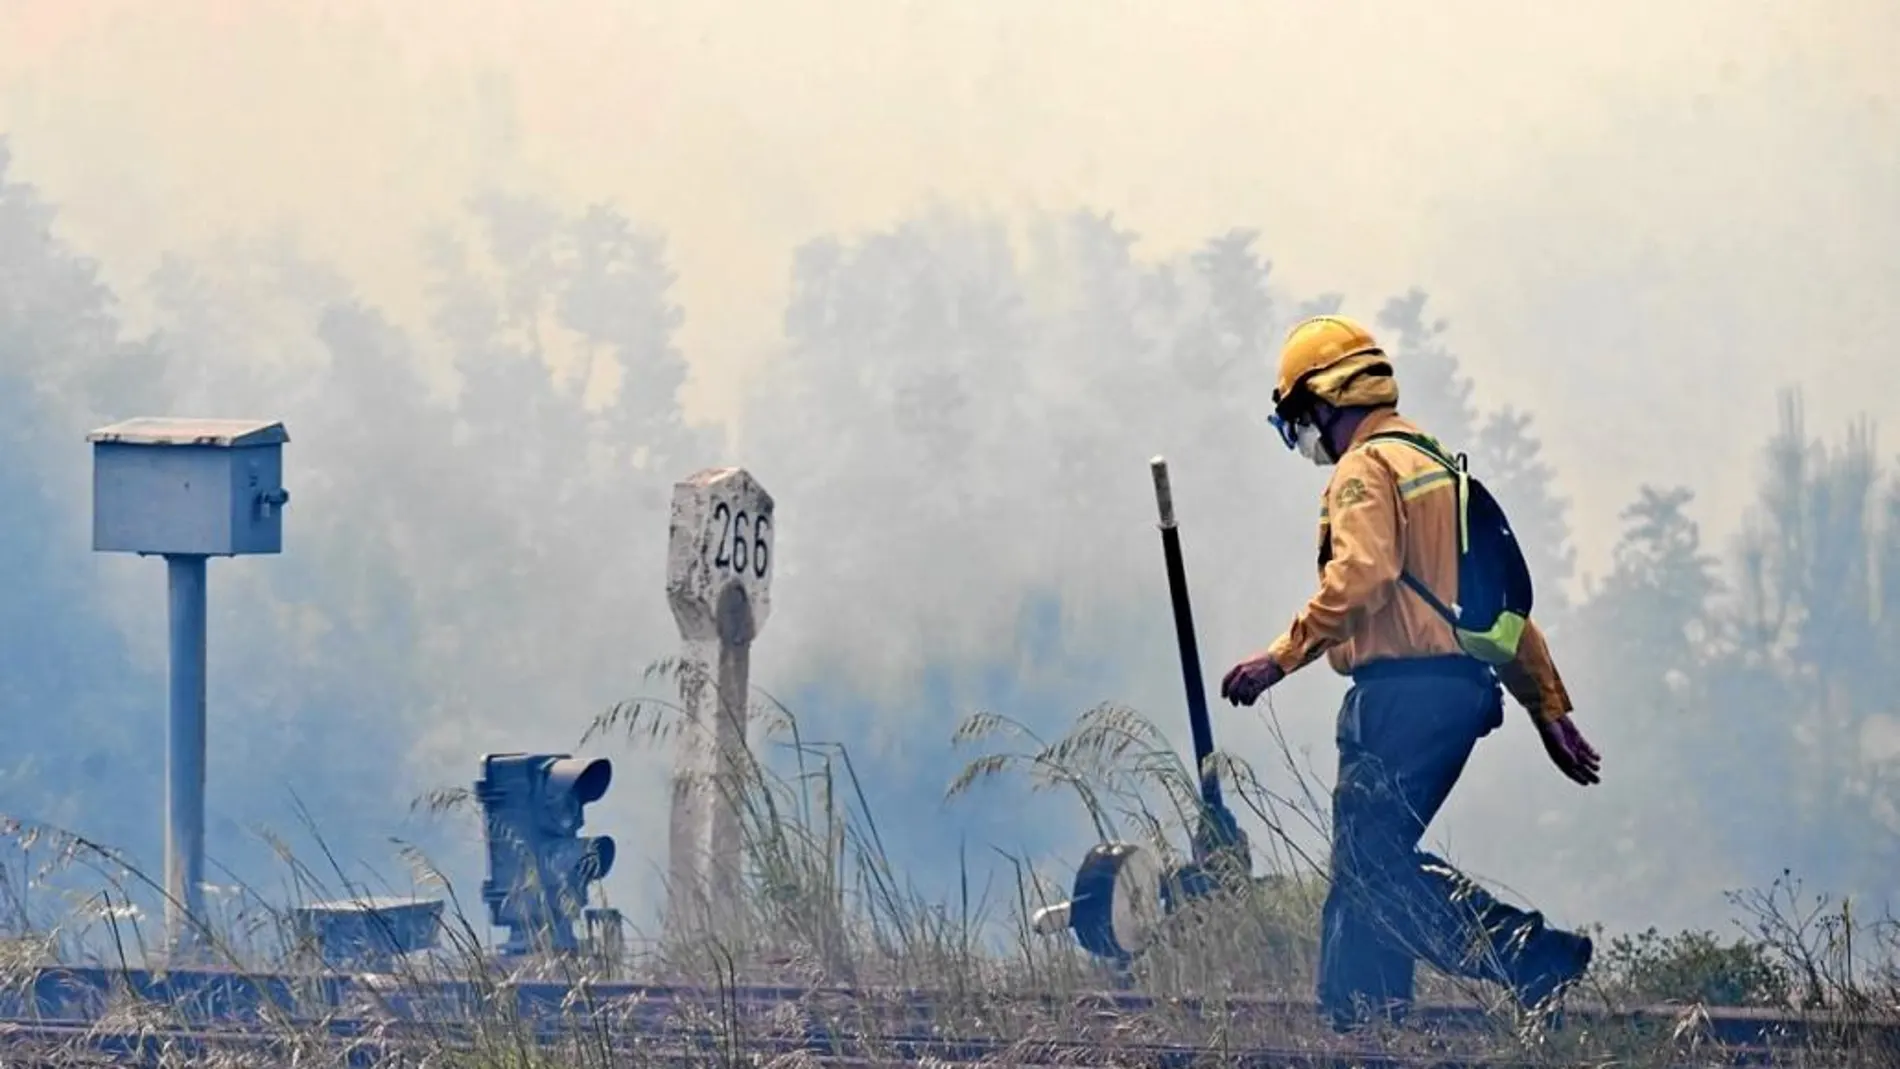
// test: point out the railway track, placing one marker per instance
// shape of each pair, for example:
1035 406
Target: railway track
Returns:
82 993
377 1045
861 1026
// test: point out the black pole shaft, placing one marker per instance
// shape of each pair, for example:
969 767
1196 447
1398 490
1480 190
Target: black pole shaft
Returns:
1184 637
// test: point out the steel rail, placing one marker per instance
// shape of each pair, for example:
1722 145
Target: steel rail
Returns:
82 993
366 1044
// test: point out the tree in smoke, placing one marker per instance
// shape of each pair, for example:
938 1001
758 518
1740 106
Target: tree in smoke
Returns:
618 298
1100 313
904 351
262 327
1509 458
1804 678
1641 645
571 322
1435 390
1651 612
541 564
454 563
79 713
1235 330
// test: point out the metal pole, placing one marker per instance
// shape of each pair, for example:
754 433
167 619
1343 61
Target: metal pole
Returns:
1184 638
185 764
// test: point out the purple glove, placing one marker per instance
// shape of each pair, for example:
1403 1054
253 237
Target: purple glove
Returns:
1247 680
1569 751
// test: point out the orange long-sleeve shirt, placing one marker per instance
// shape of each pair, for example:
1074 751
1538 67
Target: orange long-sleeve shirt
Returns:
1389 508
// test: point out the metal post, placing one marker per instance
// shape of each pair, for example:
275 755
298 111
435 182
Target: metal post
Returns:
1217 834
1198 723
187 490
185 764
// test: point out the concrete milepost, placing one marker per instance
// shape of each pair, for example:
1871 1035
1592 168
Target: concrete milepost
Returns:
187 490
718 581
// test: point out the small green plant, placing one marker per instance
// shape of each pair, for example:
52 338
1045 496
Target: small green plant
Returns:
1693 967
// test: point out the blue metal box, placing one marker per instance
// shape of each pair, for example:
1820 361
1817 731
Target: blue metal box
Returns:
211 487
369 932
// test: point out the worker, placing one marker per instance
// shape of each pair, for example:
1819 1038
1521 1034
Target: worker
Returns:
1390 528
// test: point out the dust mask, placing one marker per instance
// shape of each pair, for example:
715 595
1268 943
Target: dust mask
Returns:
1312 447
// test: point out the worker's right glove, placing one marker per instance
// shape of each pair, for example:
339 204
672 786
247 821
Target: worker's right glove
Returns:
1249 679
1569 751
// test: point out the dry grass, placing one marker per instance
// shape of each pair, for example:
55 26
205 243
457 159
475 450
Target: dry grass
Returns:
825 909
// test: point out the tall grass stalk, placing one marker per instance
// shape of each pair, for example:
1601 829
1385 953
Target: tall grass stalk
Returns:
825 909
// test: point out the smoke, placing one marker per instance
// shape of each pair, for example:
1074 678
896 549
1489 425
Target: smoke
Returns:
1638 221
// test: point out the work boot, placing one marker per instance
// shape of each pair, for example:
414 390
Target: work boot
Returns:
1554 962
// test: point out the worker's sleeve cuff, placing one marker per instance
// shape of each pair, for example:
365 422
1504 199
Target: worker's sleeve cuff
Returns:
1284 654
1279 651
1553 706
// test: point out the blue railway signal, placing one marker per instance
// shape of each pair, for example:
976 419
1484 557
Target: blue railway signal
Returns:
539 867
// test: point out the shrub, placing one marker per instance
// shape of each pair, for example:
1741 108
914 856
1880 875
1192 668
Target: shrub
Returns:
1693 967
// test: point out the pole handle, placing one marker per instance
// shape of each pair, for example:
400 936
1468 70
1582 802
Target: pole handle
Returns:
1164 493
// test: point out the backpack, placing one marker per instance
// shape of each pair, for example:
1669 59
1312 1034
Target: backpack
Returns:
1494 582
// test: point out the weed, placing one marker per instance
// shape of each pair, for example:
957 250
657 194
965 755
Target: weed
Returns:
823 910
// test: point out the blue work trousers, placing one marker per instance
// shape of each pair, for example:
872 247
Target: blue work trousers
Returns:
1406 730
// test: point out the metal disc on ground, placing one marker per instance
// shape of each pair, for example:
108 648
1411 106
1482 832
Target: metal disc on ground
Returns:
1116 903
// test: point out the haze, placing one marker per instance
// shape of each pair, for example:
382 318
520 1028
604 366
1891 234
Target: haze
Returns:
1640 222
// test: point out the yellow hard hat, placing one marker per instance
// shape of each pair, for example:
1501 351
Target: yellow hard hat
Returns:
1332 358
